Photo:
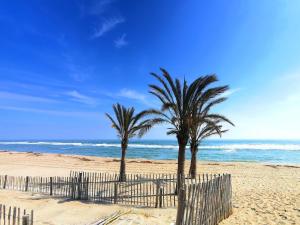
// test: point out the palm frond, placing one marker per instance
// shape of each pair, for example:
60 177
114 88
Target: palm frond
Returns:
186 107
220 117
172 85
114 124
128 124
165 86
213 103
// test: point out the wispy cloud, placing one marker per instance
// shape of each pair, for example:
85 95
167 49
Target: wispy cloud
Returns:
24 98
94 7
230 92
51 112
295 76
135 95
121 42
99 7
107 26
129 94
78 97
26 77
77 70
293 98
132 94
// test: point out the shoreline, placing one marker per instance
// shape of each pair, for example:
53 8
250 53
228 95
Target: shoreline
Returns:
146 160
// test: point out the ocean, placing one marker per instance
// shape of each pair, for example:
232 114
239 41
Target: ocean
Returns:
265 151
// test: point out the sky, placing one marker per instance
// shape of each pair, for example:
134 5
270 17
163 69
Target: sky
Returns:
64 63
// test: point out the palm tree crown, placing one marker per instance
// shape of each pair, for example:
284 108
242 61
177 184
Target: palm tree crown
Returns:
128 124
178 100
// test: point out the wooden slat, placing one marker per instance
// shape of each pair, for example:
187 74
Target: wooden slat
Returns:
11 215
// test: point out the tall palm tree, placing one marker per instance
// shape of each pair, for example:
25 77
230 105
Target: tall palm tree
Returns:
128 125
178 100
204 124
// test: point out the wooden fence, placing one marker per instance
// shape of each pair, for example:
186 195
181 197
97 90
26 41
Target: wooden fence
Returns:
208 202
15 216
207 198
149 190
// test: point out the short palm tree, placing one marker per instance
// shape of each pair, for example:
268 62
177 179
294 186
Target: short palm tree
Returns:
204 124
128 125
178 100
198 132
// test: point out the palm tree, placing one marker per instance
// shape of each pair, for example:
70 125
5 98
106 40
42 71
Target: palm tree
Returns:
204 124
178 100
198 132
128 125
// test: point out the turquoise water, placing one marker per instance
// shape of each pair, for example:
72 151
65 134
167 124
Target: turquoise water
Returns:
266 151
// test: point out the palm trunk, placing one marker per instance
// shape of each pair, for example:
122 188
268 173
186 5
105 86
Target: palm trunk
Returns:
122 176
193 165
180 166
182 142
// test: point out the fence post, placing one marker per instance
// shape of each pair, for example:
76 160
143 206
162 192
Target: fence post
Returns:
73 188
230 192
25 220
79 185
14 216
87 189
157 193
160 197
51 185
181 201
26 183
31 218
116 193
5 181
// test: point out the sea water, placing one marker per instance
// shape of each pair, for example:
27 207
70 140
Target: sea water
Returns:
265 151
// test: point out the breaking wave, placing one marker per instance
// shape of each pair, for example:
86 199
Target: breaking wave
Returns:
87 144
288 147
228 147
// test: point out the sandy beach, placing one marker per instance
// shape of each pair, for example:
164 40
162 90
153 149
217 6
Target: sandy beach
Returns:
262 194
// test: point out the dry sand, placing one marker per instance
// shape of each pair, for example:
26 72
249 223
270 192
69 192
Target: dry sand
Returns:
262 194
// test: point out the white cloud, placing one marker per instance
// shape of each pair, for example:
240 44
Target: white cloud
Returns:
107 26
121 42
76 96
50 112
127 93
24 98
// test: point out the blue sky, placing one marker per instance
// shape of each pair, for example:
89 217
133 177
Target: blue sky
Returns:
64 63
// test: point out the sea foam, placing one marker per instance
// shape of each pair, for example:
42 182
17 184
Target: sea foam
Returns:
230 147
